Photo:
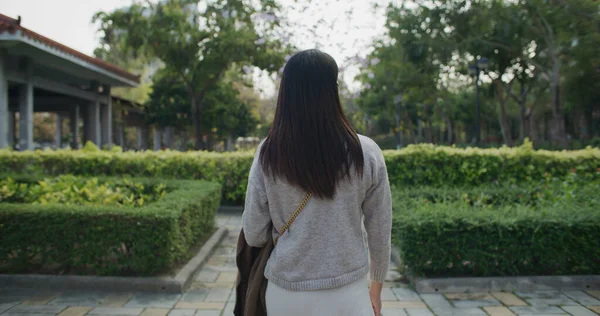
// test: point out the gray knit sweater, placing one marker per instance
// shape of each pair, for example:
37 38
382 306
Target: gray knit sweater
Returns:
325 246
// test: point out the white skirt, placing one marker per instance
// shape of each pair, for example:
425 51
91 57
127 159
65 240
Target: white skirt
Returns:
349 300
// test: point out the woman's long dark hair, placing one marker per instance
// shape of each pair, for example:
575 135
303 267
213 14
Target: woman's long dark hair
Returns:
311 144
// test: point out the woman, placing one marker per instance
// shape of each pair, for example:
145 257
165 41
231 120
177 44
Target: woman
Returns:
320 264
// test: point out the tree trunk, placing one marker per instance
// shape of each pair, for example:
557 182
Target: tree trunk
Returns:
410 128
197 122
504 126
533 132
429 130
502 119
398 129
419 131
584 123
450 131
522 114
557 131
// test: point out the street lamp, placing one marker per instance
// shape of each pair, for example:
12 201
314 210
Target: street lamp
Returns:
398 101
475 69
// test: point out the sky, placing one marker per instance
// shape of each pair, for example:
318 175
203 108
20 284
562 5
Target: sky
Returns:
343 28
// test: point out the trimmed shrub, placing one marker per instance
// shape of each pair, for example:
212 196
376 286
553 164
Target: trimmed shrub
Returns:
72 190
498 231
415 165
108 240
230 170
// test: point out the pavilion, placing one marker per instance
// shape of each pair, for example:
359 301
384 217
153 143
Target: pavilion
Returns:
38 74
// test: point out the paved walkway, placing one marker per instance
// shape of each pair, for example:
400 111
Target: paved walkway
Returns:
212 294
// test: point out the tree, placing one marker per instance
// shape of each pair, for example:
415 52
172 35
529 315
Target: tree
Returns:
199 40
225 114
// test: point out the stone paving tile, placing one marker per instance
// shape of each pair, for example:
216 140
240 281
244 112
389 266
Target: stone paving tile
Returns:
75 311
155 312
582 298
224 251
458 311
404 294
34 310
203 305
595 294
436 301
218 295
208 313
470 300
393 312
17 295
551 301
469 296
182 312
578 311
206 275
153 300
227 277
508 299
41 299
197 296
6 306
475 303
116 299
498 311
388 295
534 310
79 299
418 312
595 309
539 294
228 311
220 268
404 304
117 311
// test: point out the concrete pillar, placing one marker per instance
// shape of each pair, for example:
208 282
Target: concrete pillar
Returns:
11 128
107 123
91 124
4 113
26 116
229 144
157 132
74 126
58 136
142 137
168 137
121 135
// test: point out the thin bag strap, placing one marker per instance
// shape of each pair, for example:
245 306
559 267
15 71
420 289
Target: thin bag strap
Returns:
296 213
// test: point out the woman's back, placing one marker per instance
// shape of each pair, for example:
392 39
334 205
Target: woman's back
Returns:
324 247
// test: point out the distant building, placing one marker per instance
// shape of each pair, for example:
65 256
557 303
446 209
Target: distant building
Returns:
38 74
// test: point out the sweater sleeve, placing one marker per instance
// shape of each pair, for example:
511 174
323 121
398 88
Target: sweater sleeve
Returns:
377 208
256 217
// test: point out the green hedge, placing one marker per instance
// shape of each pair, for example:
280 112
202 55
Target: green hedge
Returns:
498 231
108 240
415 165
76 190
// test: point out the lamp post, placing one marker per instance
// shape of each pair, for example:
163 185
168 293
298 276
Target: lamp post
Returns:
398 102
475 69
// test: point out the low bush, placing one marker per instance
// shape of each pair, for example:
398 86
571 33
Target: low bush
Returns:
547 229
72 190
415 165
108 239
